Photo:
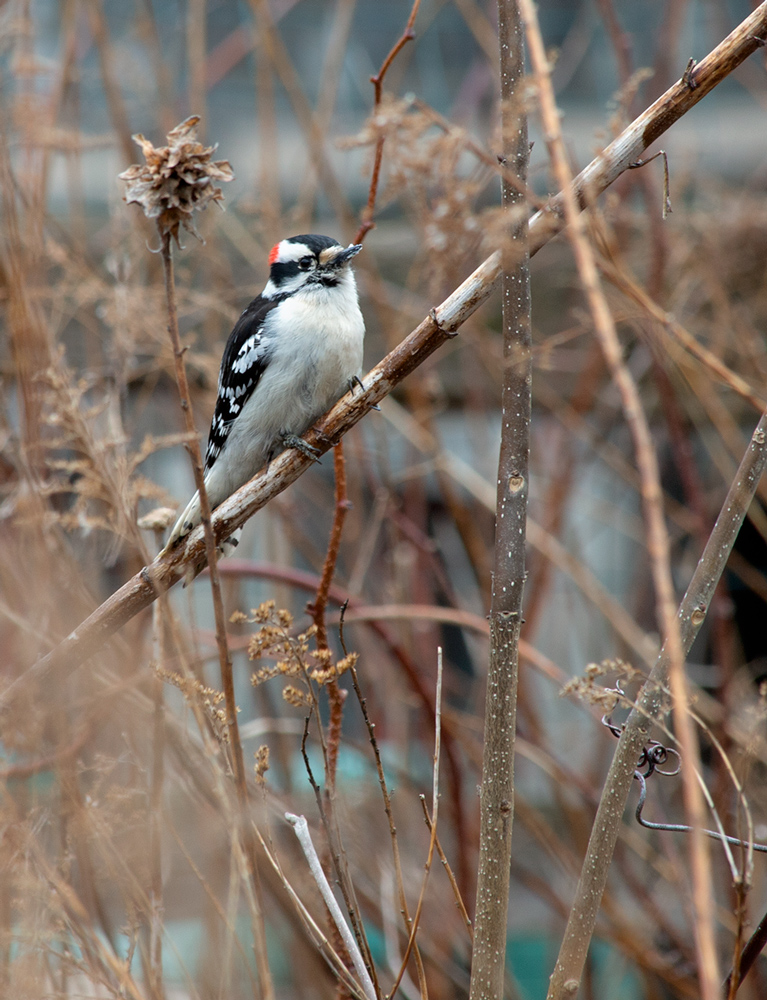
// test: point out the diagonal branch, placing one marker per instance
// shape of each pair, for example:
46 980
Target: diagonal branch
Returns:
442 323
565 979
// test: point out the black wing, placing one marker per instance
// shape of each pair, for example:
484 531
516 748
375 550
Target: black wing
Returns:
246 356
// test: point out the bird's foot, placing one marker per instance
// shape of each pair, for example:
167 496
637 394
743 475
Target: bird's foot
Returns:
355 382
289 440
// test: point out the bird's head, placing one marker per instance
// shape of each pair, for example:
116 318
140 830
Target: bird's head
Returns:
306 261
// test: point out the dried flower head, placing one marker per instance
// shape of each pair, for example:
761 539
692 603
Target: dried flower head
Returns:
176 180
207 698
295 697
261 765
158 519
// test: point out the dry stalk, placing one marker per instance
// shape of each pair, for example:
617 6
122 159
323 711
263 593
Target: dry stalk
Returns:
367 215
336 699
752 950
196 51
273 48
432 834
691 615
332 74
652 499
193 447
315 932
402 899
496 796
618 274
441 324
173 183
449 872
301 828
154 917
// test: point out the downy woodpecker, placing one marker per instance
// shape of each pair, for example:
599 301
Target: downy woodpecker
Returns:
294 351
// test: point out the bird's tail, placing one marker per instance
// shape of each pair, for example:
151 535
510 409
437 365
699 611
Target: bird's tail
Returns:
189 519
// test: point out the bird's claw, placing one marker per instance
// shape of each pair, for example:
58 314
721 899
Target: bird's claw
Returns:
294 441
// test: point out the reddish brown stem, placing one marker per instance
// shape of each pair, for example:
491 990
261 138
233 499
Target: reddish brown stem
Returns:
317 611
318 608
407 35
751 952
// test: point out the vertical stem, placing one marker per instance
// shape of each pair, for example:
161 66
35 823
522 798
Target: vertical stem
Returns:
114 99
227 680
497 789
195 54
193 447
318 608
652 501
155 909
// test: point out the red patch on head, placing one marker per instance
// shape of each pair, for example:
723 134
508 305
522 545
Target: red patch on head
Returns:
274 253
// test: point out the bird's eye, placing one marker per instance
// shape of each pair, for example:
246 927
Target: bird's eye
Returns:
305 263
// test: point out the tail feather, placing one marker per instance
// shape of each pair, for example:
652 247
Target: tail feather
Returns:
188 520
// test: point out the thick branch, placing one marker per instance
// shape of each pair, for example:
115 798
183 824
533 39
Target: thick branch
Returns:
139 592
496 795
652 123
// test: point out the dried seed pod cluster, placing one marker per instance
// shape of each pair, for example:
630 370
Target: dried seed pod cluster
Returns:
176 180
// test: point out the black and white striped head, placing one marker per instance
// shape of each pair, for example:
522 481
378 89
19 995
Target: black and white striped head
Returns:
307 260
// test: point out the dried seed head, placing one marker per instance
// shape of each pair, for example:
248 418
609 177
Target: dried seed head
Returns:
176 180
295 697
158 519
261 765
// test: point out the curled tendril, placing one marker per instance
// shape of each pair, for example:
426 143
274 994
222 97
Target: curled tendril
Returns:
651 761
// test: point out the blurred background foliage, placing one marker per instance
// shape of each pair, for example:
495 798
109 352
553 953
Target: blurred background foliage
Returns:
108 854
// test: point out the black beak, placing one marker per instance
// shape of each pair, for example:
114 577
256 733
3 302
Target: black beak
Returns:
344 256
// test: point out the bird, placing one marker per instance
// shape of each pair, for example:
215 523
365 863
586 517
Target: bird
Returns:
294 351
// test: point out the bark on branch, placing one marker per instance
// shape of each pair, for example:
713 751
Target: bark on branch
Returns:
441 324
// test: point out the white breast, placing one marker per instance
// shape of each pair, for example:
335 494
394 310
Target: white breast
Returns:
315 343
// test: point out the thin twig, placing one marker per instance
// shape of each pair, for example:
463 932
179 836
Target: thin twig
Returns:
442 322
193 447
301 828
367 215
666 194
617 273
449 872
273 48
387 807
753 949
433 831
316 932
332 833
